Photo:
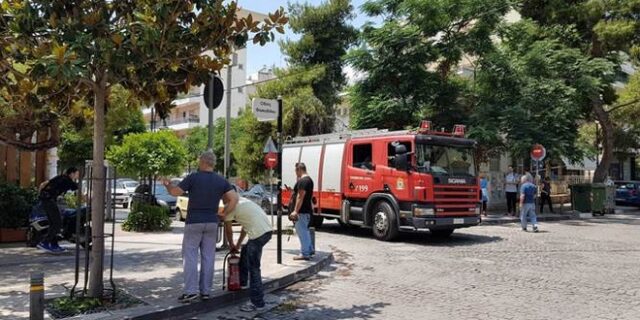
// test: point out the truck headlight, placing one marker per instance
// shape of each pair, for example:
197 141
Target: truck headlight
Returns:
423 211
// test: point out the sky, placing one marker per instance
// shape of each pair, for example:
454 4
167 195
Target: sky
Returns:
268 55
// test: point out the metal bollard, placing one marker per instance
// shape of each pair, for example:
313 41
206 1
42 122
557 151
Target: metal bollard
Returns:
312 231
36 296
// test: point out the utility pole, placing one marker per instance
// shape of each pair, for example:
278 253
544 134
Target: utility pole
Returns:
210 123
227 121
279 175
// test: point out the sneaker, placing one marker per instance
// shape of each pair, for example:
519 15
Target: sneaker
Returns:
57 248
297 258
535 228
46 247
524 229
188 298
250 307
204 297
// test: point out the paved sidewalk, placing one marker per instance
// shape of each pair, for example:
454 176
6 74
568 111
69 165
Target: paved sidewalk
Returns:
147 265
566 214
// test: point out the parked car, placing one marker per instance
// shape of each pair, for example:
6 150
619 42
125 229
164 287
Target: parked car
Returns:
121 194
162 197
628 192
129 184
182 203
261 195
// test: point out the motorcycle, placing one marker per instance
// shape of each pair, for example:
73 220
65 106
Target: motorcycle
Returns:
39 226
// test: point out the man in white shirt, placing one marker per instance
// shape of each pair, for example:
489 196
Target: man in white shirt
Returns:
255 225
511 190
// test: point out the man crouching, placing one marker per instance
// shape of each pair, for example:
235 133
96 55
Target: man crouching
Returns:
255 224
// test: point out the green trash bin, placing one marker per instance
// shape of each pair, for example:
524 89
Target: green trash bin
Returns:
581 200
603 198
596 198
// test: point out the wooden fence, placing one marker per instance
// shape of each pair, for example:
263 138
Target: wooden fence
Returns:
24 168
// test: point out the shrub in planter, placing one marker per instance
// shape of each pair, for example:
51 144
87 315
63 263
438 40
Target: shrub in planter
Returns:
145 217
15 205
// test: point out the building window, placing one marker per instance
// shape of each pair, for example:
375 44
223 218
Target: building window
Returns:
184 114
240 89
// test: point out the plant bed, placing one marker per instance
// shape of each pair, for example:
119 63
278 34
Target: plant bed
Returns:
13 235
147 218
65 307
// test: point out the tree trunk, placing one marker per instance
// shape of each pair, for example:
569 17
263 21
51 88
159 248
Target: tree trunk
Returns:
98 197
602 171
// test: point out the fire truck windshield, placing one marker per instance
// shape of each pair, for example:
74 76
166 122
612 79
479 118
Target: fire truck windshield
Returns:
445 160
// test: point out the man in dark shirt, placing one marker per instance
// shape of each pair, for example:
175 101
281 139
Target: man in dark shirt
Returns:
206 189
302 210
545 194
49 193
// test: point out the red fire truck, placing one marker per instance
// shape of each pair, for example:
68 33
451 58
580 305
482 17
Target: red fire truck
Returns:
391 182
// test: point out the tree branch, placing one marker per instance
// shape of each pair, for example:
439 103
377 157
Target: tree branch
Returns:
623 105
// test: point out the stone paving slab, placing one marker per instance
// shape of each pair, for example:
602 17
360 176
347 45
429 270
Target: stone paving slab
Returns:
147 266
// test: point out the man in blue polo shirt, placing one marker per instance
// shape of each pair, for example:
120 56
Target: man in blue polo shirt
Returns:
205 188
528 192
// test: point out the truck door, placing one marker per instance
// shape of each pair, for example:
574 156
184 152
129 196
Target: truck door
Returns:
360 175
398 180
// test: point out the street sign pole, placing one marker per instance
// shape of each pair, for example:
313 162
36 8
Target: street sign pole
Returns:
279 175
271 196
210 123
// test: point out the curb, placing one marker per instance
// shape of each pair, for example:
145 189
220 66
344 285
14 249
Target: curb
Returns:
517 220
218 300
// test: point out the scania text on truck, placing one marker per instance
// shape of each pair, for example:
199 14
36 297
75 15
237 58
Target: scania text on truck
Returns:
391 182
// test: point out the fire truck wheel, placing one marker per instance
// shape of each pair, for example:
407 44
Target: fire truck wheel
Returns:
441 234
316 221
385 222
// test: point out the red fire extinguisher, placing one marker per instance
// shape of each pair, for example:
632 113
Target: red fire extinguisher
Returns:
233 279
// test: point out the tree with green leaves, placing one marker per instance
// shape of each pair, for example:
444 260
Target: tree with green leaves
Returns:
605 29
123 117
409 60
57 53
196 143
149 154
535 89
325 37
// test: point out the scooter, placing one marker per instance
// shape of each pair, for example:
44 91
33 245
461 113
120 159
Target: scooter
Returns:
39 226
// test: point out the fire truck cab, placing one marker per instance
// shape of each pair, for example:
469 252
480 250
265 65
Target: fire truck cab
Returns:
391 182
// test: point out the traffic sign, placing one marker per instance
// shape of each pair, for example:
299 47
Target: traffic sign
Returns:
270 146
265 109
538 152
270 160
218 92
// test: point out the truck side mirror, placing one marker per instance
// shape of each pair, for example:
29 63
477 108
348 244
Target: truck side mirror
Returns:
401 160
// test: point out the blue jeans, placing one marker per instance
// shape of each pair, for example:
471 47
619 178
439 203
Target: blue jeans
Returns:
302 229
528 209
250 256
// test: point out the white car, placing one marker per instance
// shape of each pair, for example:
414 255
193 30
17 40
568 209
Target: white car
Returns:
121 194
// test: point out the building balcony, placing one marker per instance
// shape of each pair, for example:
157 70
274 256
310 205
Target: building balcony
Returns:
177 124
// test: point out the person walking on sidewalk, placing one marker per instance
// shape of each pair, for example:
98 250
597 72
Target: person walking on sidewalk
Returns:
302 210
528 192
545 194
205 189
511 190
255 224
48 195
484 190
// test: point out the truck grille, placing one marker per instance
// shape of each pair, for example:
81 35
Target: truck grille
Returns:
456 200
